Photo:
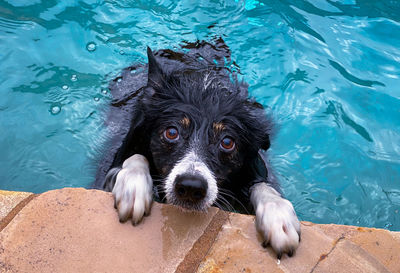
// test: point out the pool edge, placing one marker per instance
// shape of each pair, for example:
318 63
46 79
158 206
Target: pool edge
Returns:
234 246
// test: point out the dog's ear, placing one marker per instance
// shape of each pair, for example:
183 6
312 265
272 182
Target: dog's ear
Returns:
155 74
260 124
265 128
266 144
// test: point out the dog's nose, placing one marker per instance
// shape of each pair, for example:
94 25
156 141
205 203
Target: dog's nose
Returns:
190 188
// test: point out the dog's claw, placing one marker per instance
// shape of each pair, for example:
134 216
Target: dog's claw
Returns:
265 244
279 255
290 253
136 222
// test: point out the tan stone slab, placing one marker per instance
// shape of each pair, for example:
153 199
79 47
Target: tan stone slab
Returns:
9 200
77 230
238 249
314 246
382 244
348 257
324 248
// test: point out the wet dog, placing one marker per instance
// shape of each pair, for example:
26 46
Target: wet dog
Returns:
185 122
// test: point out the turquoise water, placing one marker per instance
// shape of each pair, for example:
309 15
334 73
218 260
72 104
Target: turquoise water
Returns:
327 70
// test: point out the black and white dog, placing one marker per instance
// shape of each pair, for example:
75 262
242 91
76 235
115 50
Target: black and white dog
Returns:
185 122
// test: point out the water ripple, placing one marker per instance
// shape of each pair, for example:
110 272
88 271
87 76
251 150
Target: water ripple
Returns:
353 78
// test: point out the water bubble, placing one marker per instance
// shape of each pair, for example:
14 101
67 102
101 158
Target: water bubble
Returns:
133 71
74 78
55 109
65 87
96 98
121 52
119 79
91 46
104 91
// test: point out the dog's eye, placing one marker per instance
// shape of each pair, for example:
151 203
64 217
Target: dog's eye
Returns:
171 133
227 144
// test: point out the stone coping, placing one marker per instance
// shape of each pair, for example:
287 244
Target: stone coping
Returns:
77 230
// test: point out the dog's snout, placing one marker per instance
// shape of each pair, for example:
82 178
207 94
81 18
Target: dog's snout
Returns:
190 188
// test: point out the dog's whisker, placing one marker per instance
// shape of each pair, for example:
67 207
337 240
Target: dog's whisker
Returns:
219 205
222 206
230 195
159 186
225 202
163 199
158 179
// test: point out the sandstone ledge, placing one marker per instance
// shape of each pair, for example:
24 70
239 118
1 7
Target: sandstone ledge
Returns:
77 230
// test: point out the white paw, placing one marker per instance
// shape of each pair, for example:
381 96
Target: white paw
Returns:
276 221
133 189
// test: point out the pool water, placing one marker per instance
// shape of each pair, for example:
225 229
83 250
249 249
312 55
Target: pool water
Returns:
328 71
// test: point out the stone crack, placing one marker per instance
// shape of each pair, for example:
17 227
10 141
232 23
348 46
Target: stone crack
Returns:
6 220
324 256
201 247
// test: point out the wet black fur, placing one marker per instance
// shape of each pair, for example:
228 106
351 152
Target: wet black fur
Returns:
196 85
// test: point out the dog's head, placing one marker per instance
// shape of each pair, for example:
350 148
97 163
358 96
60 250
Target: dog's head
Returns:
203 130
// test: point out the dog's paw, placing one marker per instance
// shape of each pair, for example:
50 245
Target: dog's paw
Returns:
276 219
133 189
277 222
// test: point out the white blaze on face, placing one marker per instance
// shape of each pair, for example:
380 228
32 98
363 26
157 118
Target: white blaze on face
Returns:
192 164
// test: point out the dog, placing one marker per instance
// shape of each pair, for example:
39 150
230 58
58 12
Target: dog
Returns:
186 123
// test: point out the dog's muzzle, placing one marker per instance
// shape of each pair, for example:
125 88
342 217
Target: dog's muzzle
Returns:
191 184
190 188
